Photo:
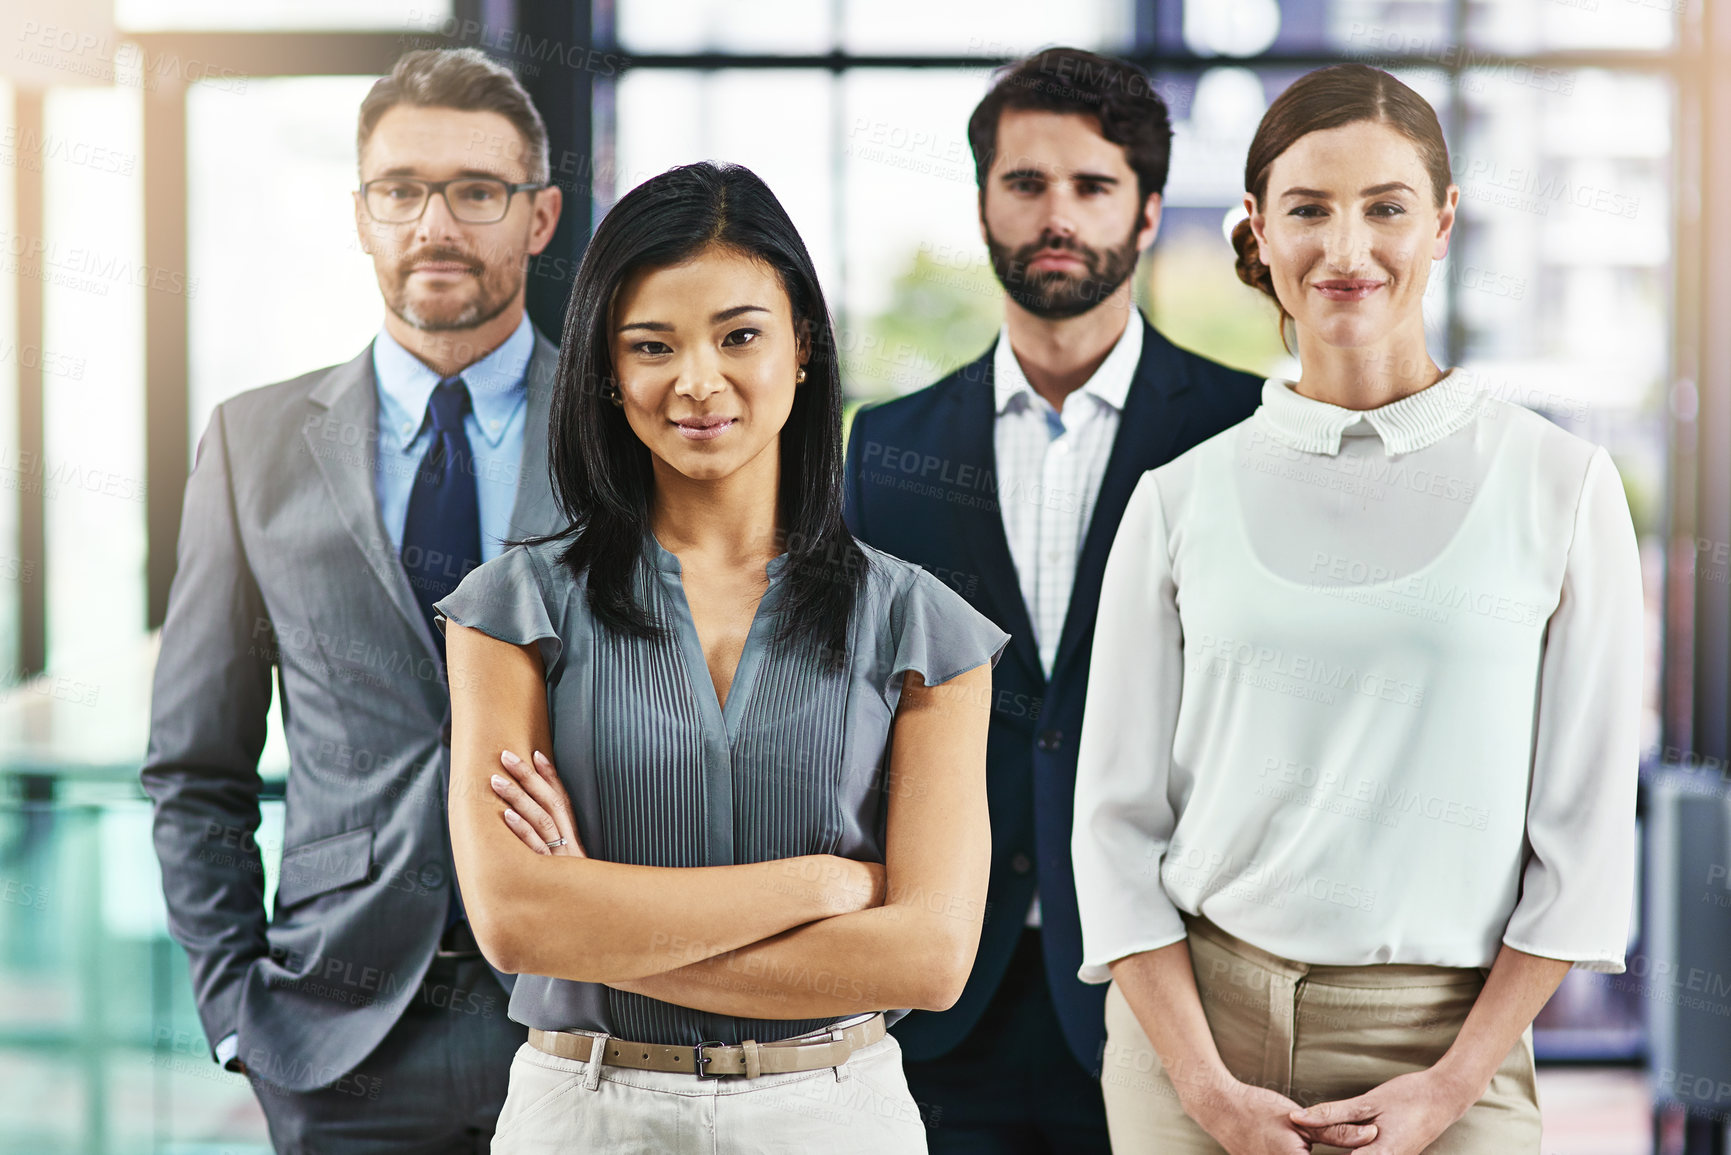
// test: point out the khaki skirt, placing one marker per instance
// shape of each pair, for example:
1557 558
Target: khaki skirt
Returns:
1314 1034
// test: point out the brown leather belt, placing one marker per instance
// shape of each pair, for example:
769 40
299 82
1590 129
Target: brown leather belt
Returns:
712 1060
458 941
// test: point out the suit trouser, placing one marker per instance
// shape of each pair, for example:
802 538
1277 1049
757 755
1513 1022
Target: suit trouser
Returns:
1012 1086
433 1086
1313 1033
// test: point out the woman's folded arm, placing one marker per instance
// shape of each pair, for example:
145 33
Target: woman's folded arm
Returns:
583 919
917 949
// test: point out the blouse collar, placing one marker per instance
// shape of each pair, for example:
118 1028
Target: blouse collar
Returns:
667 561
1415 421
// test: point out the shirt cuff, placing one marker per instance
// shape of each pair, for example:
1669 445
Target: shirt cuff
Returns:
228 1048
1097 969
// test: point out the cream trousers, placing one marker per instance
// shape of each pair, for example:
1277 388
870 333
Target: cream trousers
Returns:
563 1105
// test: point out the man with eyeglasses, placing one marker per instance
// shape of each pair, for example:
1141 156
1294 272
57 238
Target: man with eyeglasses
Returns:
324 517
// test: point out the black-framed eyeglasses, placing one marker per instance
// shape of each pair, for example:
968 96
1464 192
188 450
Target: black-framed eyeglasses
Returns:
397 200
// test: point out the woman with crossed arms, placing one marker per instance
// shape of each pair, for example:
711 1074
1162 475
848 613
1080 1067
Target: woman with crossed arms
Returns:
1357 784
768 824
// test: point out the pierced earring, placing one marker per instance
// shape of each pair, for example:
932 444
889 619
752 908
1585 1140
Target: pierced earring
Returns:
611 392
799 378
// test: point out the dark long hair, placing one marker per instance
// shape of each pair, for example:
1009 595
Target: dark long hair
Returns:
601 471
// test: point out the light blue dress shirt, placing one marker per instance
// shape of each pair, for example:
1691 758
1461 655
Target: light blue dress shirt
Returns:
499 410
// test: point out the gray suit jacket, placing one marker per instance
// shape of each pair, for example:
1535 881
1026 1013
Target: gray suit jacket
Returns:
284 563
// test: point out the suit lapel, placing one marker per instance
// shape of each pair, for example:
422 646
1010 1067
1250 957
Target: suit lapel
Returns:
1147 430
534 510
980 525
346 415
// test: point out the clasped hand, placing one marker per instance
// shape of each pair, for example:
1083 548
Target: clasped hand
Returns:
1400 1117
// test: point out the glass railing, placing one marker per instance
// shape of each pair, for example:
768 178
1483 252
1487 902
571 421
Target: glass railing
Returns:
101 1051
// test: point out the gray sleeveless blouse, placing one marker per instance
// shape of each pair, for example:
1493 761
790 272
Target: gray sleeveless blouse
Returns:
660 775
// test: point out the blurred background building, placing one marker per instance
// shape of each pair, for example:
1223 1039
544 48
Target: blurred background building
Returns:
176 226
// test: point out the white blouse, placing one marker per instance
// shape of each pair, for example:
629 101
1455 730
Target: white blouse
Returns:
1366 689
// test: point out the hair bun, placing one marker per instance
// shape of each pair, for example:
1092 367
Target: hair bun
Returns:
1249 265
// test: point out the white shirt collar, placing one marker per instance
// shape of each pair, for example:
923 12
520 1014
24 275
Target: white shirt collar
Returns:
1415 421
1110 382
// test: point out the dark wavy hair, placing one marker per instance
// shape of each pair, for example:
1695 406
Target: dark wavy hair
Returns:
601 472
1131 113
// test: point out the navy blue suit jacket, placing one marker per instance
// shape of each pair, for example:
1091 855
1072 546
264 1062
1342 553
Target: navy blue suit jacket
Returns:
921 485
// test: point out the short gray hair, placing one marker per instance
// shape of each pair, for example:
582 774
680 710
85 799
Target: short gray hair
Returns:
465 79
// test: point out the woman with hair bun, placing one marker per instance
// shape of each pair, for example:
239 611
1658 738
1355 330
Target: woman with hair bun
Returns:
1357 784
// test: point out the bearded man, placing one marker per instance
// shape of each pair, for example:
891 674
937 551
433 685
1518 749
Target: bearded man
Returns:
1007 479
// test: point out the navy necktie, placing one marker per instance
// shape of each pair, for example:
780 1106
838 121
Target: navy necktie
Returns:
442 531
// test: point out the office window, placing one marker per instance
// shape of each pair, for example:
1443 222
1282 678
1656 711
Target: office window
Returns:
12 573
1347 28
849 152
1540 25
920 297
282 15
981 27
777 123
737 26
95 279
283 286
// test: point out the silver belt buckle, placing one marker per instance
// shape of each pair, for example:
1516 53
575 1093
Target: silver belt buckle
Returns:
703 1059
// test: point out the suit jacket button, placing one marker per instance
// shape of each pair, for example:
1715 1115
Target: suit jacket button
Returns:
1021 863
1050 740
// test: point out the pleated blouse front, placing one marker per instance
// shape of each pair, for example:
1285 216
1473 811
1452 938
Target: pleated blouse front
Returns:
661 774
